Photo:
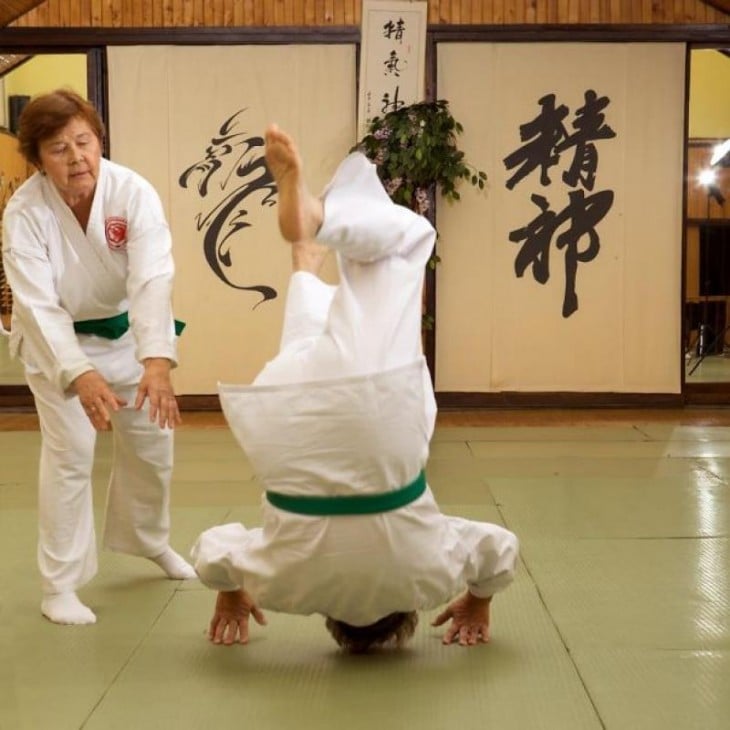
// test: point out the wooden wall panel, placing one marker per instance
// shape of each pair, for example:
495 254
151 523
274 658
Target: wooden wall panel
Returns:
243 13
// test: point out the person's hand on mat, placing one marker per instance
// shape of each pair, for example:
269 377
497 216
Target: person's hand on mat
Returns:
97 398
156 387
469 620
230 620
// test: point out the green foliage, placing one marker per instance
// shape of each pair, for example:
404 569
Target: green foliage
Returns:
415 152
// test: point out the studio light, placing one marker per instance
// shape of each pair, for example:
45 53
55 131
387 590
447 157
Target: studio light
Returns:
708 179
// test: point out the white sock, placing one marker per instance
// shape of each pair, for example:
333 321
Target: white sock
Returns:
65 608
175 567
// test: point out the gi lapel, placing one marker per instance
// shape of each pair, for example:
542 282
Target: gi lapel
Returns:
90 247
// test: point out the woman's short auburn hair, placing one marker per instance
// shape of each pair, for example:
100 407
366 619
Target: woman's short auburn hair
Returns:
46 114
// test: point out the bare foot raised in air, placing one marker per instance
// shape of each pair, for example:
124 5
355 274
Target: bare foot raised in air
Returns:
300 213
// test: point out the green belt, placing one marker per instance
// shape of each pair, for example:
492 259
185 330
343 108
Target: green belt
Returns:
112 328
349 504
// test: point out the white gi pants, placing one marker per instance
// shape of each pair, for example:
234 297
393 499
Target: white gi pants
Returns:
137 508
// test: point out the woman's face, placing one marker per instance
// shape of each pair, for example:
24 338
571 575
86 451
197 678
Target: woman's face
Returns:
71 158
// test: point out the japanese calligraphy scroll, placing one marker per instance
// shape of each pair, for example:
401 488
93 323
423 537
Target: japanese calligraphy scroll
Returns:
566 274
191 120
393 58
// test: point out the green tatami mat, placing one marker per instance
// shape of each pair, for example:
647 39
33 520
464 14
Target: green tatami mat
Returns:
291 675
619 618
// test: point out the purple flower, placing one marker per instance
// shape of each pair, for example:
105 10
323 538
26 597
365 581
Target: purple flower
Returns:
392 185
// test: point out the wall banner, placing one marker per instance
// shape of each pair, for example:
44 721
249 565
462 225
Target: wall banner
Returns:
192 120
393 57
564 274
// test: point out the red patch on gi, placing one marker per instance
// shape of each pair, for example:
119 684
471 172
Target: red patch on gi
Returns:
115 230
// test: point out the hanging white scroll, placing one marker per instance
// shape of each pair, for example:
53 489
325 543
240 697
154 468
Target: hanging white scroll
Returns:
393 57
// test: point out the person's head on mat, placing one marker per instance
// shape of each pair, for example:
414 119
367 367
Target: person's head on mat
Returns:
392 630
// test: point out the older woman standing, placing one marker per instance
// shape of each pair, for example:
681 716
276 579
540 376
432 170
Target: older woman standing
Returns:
87 253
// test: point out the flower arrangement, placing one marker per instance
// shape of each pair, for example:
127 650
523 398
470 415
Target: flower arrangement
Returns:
415 152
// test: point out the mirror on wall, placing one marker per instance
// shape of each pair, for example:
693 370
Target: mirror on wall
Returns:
18 83
707 262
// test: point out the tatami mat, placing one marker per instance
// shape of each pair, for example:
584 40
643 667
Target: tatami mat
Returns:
619 618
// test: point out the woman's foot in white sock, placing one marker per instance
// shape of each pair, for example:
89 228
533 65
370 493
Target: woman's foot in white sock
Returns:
65 608
174 565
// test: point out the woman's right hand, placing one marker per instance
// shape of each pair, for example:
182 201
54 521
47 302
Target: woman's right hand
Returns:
97 398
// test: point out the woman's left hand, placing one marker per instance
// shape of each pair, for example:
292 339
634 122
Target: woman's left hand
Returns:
156 387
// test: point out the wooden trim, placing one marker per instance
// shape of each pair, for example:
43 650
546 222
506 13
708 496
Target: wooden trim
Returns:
683 327
700 33
712 394
466 401
39 40
19 399
199 403
704 141
16 398
97 87
429 284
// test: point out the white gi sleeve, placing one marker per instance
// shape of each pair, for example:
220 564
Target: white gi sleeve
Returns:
308 302
150 274
491 556
364 224
213 556
47 328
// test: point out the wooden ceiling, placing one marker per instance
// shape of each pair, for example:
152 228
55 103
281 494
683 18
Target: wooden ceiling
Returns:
9 61
12 9
723 5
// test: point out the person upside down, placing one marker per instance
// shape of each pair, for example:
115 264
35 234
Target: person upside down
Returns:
337 427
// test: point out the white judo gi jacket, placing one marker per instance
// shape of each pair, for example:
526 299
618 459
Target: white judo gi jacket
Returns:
347 407
59 275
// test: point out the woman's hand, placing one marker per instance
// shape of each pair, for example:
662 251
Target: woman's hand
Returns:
97 398
156 387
